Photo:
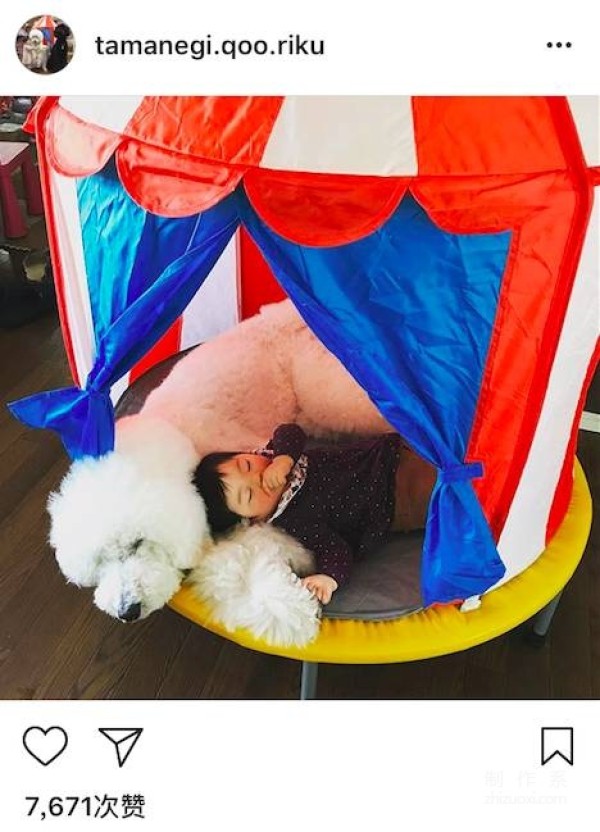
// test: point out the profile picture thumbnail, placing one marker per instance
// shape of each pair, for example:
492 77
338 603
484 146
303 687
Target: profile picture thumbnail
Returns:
45 44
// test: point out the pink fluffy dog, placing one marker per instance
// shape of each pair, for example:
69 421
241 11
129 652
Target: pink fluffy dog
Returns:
231 392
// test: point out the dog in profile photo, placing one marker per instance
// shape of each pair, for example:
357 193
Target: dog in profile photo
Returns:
59 52
35 51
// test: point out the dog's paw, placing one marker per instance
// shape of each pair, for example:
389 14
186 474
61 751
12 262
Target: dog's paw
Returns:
245 585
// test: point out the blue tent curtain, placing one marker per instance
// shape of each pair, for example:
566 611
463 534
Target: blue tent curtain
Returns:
409 310
142 273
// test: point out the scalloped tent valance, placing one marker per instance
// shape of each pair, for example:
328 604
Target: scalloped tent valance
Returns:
320 171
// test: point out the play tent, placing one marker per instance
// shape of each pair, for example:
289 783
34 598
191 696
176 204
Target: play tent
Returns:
444 249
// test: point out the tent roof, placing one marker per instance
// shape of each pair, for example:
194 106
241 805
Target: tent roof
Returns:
319 170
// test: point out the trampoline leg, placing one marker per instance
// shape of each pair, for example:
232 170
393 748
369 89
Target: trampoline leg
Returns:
542 621
308 680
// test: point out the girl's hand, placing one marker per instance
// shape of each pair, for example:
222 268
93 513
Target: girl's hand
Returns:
323 586
275 475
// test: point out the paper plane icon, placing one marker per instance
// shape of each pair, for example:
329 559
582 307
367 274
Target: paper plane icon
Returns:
124 740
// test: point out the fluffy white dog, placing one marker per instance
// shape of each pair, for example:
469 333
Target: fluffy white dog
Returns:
131 523
250 579
35 51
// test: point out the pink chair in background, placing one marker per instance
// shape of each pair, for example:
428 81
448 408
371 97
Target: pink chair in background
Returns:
15 155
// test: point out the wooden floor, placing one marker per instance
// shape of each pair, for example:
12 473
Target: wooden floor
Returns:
55 645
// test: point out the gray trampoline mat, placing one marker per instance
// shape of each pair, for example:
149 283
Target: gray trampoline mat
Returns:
385 584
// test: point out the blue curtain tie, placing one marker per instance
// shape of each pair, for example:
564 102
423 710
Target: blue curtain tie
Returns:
459 552
84 419
462 472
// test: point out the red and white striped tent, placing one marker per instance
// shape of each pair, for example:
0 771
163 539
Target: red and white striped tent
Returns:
323 173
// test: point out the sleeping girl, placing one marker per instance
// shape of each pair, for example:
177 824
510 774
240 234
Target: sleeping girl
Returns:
338 501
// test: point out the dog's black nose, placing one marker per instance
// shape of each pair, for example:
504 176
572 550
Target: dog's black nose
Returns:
131 613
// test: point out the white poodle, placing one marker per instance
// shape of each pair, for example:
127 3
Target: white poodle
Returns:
250 579
131 523
35 51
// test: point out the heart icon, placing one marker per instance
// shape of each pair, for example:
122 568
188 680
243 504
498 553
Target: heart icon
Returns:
45 744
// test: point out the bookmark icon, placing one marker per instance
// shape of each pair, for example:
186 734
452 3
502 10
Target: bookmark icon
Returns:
123 739
557 742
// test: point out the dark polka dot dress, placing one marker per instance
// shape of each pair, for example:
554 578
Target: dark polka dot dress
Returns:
340 500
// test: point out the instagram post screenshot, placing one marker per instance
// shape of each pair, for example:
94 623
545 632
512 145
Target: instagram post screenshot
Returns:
300 423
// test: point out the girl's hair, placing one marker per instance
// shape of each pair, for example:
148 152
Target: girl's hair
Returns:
211 487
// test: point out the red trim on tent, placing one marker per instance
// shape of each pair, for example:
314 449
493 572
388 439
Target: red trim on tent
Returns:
257 283
222 129
562 495
75 147
316 209
39 118
566 130
471 135
536 288
227 128
177 156
166 346
171 185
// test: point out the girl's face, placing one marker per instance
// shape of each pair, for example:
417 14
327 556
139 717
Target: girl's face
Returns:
244 492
